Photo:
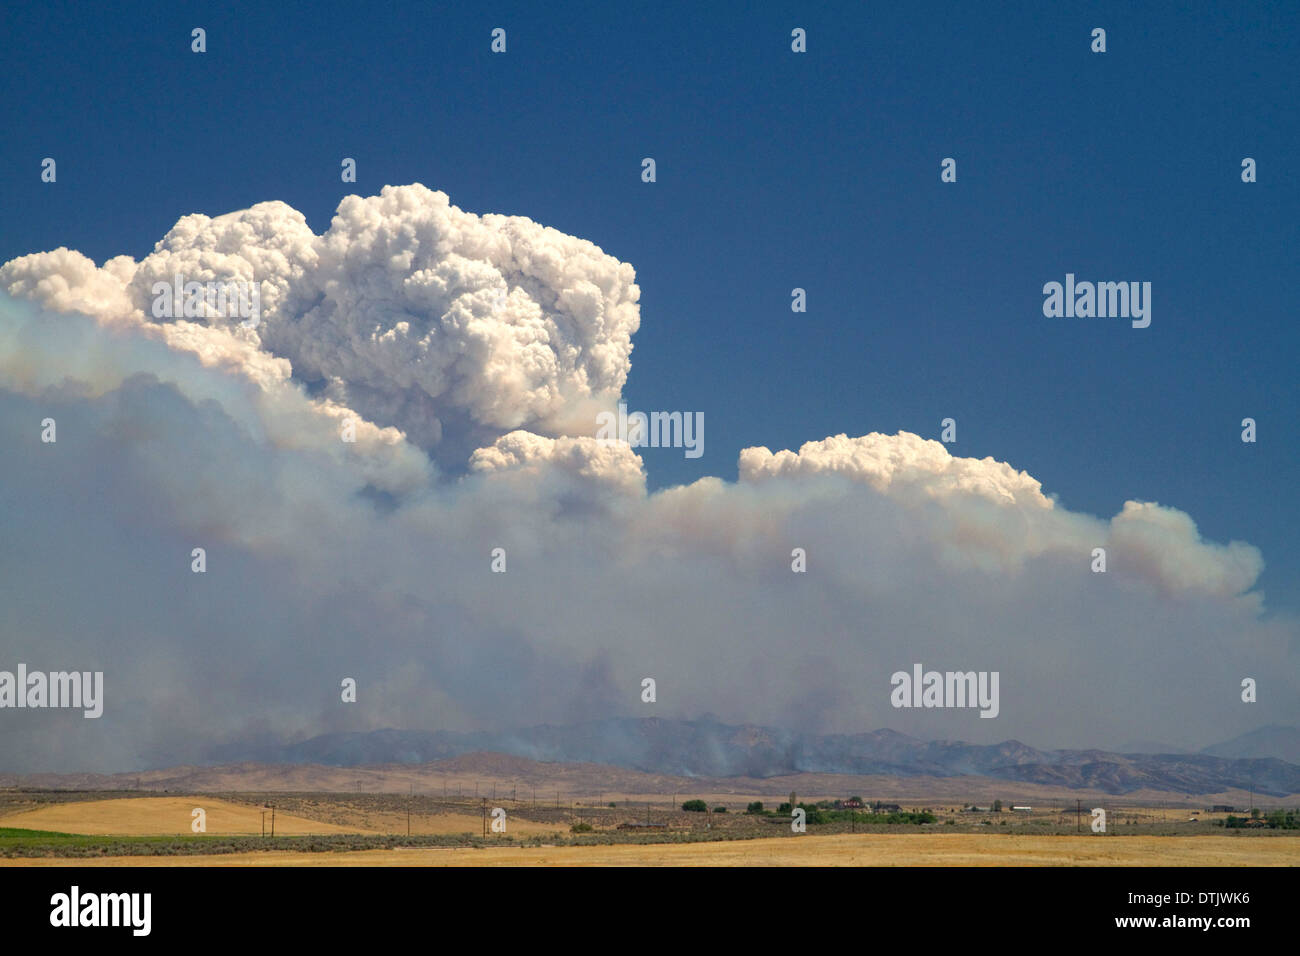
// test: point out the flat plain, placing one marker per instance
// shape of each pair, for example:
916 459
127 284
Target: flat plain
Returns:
171 816
939 849
86 828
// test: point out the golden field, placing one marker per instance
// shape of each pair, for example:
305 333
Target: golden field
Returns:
1047 836
170 816
841 850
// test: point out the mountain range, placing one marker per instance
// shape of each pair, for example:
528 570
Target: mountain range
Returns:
709 748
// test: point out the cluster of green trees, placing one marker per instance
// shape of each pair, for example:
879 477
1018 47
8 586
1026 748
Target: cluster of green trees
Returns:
901 816
699 806
823 811
1277 820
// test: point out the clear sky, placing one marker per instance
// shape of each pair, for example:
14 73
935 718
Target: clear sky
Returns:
775 170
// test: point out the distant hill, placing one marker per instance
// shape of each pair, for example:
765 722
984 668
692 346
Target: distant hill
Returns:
709 748
467 776
1275 740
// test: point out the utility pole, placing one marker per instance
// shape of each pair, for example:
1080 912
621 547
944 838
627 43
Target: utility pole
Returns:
484 818
272 821
1078 811
264 823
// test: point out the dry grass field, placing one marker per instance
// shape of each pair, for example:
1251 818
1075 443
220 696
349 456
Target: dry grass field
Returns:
161 816
168 816
842 850
422 824
369 829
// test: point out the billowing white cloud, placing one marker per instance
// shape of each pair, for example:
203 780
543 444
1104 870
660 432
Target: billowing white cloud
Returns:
1164 545
418 305
371 559
898 464
452 327
67 281
269 243
612 464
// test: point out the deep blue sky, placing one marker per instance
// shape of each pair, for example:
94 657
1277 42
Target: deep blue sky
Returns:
775 170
